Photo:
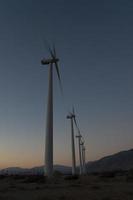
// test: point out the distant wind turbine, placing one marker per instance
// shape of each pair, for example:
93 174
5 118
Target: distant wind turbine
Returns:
71 116
84 160
79 137
52 61
83 155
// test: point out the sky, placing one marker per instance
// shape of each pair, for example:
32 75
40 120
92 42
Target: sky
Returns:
94 42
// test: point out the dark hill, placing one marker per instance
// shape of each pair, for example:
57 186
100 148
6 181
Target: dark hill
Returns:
119 161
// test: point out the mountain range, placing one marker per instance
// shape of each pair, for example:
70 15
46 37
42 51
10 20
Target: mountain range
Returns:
35 170
120 161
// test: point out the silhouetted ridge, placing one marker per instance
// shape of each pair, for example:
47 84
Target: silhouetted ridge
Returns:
120 161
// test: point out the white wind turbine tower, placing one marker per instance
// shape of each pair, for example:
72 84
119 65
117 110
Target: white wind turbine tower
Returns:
53 60
71 116
84 160
83 156
79 137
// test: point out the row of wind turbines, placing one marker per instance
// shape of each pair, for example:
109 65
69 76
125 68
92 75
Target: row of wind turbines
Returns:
53 62
81 145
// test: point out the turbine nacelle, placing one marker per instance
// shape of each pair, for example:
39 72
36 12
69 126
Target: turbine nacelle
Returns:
70 116
49 61
78 136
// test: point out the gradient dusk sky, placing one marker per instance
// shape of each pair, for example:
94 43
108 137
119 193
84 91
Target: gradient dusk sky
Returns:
94 41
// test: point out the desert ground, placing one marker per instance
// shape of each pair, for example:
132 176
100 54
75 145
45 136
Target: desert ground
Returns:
105 186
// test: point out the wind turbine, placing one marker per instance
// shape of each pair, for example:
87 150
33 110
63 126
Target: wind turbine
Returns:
83 155
84 160
71 116
52 61
79 137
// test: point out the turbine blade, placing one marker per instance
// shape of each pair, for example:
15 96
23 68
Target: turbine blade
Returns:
51 53
54 51
47 46
76 126
59 78
49 49
73 110
76 123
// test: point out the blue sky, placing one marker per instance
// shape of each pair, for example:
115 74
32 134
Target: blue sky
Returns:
95 45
